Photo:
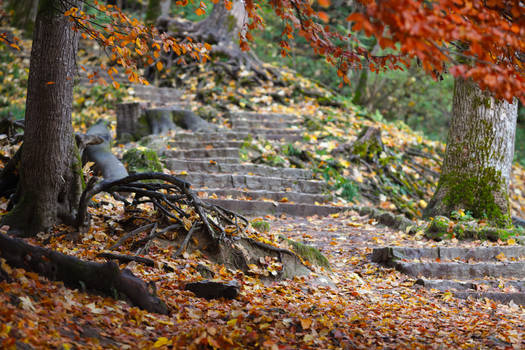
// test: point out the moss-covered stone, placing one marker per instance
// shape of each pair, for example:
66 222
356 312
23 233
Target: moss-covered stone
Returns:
261 225
438 228
142 159
308 253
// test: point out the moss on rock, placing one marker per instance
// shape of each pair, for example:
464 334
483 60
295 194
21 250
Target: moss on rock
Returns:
308 253
142 159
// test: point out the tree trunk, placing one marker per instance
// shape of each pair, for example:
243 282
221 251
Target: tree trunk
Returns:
49 189
221 30
478 160
24 14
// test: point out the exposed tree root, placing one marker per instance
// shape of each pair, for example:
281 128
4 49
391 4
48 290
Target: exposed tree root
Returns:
76 273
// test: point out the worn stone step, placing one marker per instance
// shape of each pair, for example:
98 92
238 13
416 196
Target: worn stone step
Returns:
278 117
443 285
252 124
155 94
252 182
215 166
230 135
296 197
387 255
201 153
461 271
258 208
270 131
205 144
505 298
176 163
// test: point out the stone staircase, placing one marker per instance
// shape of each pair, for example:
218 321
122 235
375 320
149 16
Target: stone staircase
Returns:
211 163
496 273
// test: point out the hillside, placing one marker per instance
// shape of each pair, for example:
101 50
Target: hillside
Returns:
354 303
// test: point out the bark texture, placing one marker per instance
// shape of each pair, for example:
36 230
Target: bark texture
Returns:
221 30
476 170
76 273
49 187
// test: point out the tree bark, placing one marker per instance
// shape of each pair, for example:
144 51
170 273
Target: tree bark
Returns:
50 185
221 30
478 160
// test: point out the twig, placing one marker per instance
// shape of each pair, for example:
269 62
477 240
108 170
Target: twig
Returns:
126 258
131 234
185 242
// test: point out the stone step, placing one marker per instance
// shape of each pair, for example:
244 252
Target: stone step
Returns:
162 95
461 271
261 116
258 208
252 182
205 144
443 285
516 298
221 160
234 135
245 169
296 197
479 289
270 131
252 124
201 153
388 255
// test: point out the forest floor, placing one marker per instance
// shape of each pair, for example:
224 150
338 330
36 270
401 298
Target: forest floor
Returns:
369 306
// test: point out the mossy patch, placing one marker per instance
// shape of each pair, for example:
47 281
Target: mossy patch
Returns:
307 253
476 194
441 228
261 225
141 160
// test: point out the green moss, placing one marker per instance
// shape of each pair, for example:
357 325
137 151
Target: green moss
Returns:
261 225
142 159
308 253
476 194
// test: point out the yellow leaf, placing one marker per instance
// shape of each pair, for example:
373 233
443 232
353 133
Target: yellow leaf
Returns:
184 172
232 322
511 241
422 204
161 342
306 323
159 65
500 257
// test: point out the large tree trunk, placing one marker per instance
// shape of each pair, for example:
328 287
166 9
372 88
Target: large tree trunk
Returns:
49 189
221 30
478 160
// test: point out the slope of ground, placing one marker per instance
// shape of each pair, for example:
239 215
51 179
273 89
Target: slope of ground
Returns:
368 306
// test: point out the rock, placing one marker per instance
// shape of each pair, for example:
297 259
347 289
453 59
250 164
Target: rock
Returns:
205 271
141 160
214 289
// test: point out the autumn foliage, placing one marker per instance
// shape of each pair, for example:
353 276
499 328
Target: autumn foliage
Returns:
482 40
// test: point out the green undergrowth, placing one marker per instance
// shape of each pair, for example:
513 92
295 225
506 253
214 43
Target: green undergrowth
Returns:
307 253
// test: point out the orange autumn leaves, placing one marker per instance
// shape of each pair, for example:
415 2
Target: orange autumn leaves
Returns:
130 43
482 40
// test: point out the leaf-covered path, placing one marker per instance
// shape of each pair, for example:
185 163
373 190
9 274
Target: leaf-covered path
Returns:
370 306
